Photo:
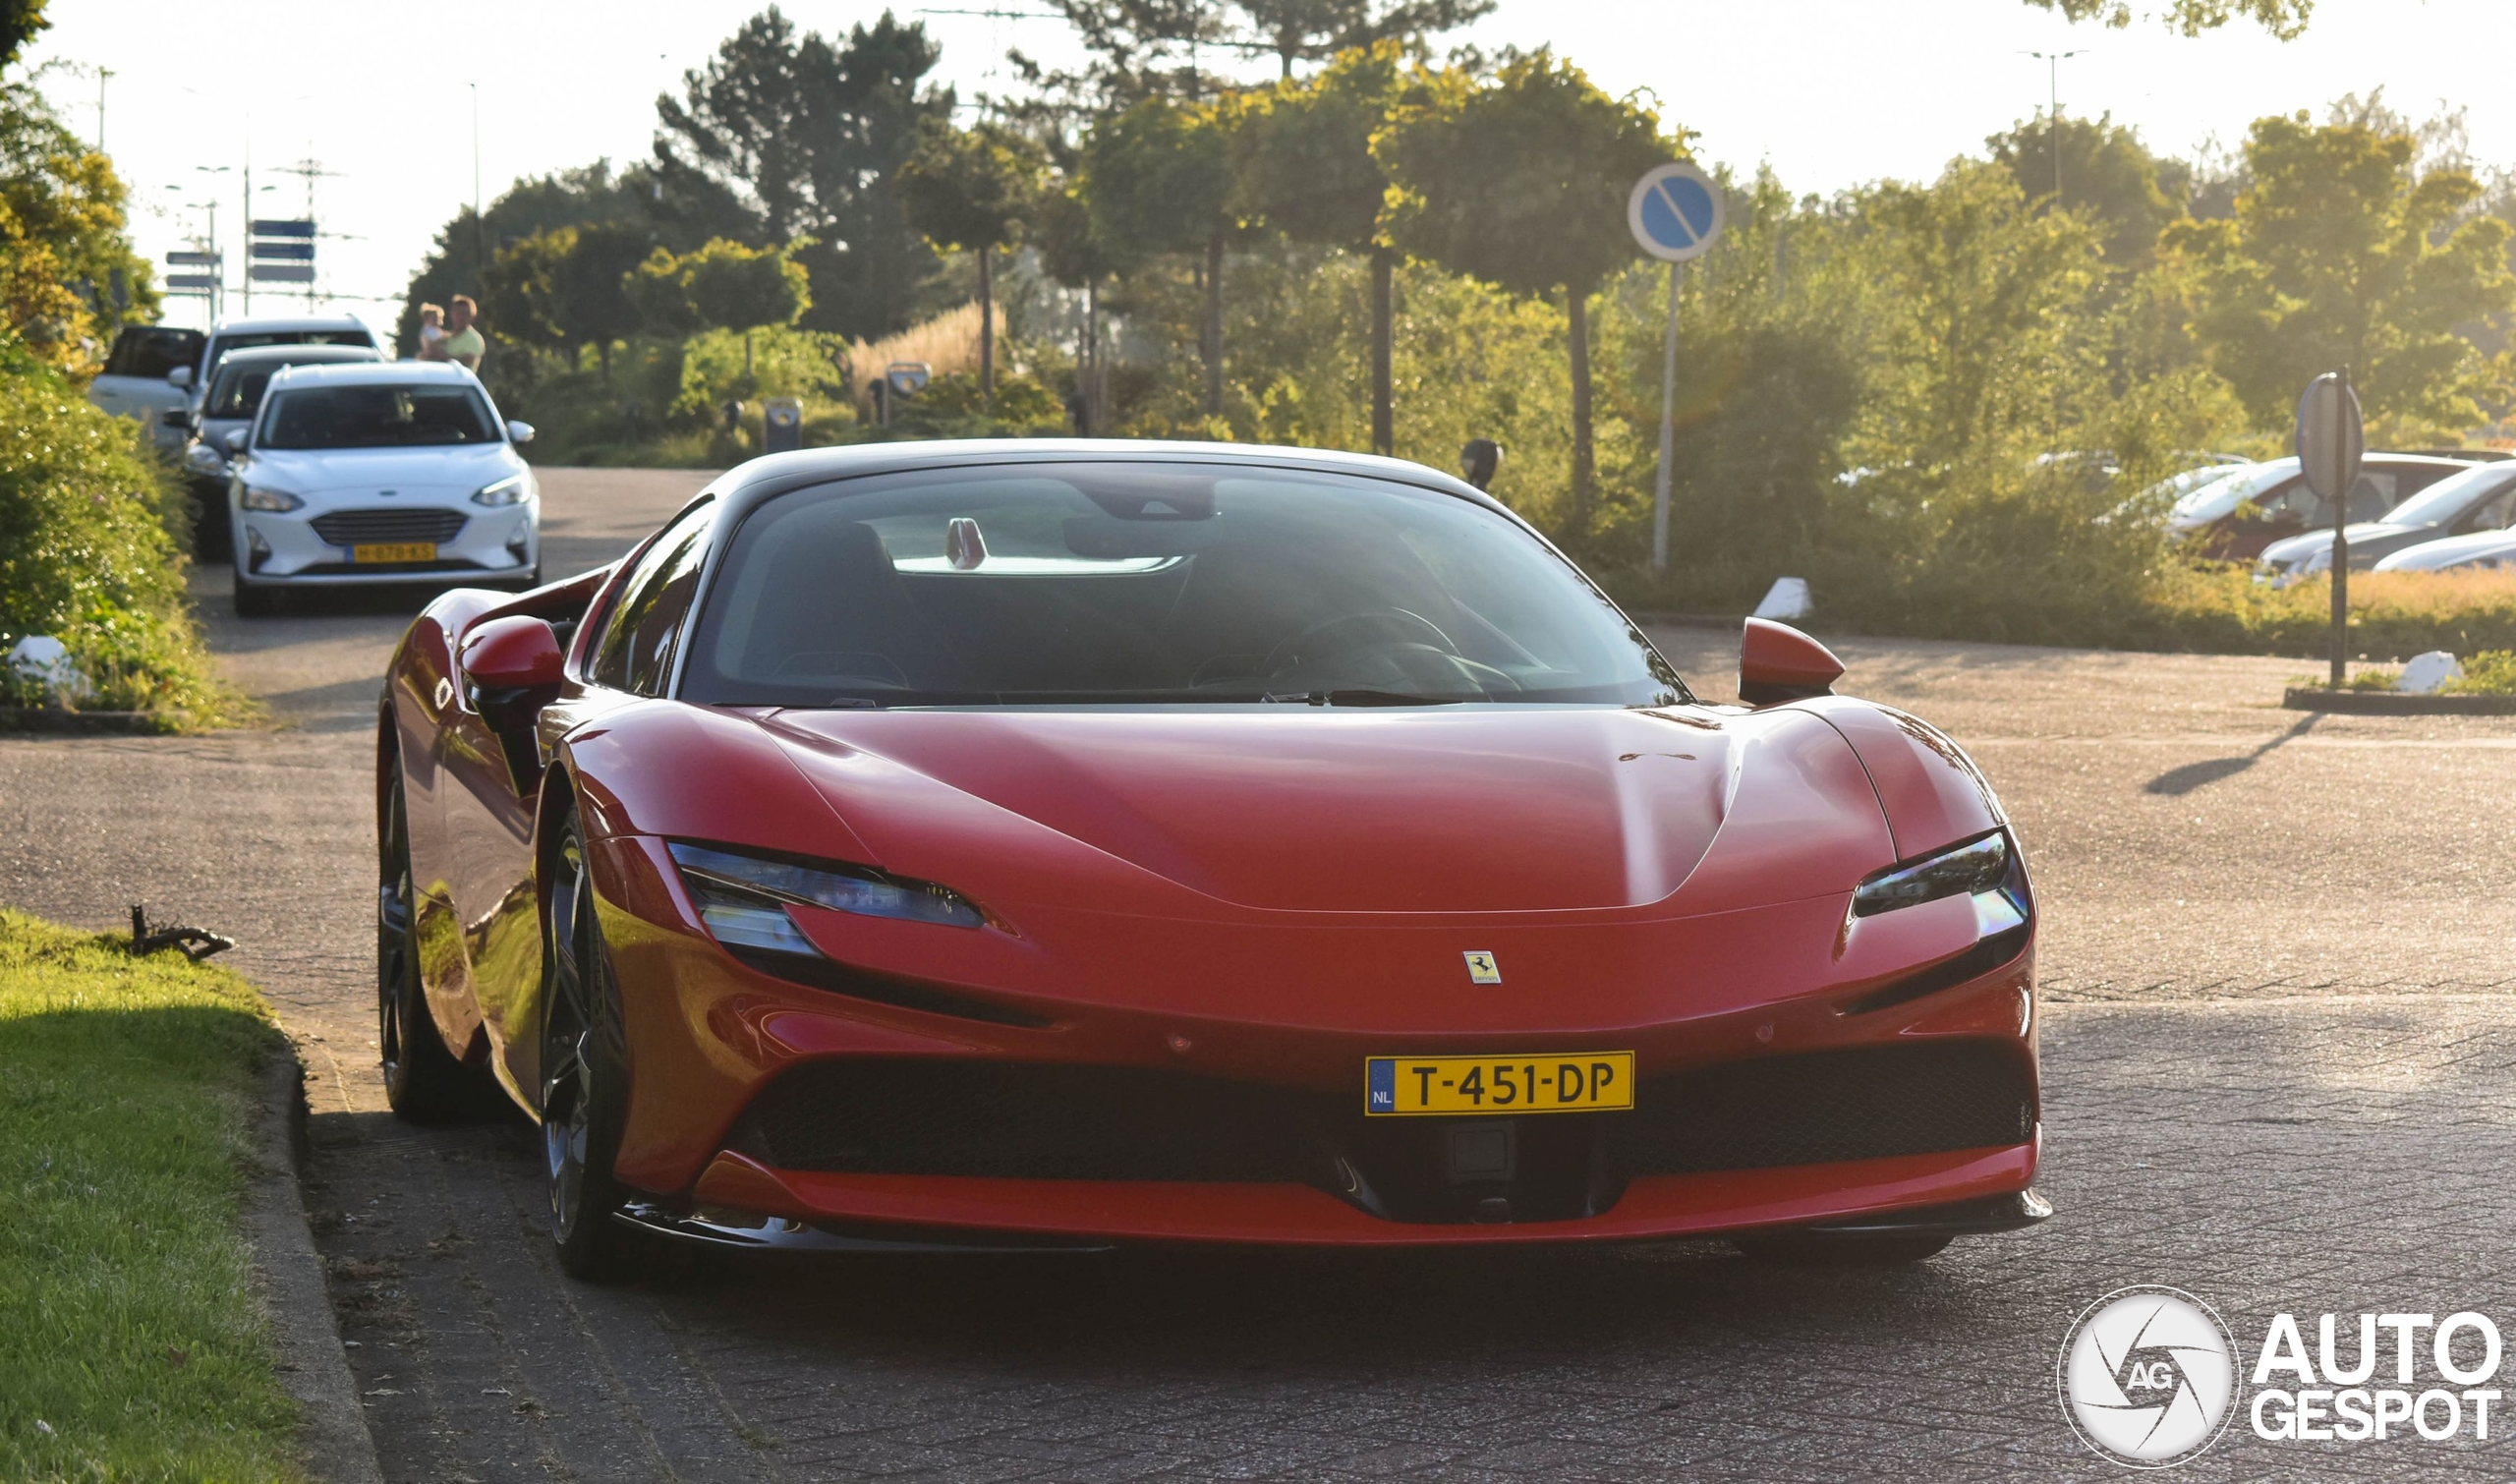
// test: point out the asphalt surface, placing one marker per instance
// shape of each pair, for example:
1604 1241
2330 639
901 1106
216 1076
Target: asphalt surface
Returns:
2276 976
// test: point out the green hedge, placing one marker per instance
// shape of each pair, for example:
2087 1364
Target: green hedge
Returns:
88 553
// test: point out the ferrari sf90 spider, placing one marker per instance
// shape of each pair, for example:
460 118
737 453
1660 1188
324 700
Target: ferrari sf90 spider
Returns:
1063 845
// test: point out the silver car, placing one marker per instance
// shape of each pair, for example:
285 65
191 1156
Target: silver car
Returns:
396 473
2481 499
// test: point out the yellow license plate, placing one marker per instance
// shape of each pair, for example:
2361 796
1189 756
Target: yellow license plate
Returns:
394 551
1556 1082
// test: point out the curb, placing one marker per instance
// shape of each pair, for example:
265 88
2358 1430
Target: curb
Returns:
331 1426
2315 698
45 718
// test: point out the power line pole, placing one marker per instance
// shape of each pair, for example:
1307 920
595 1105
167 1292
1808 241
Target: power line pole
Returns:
480 229
104 74
2053 60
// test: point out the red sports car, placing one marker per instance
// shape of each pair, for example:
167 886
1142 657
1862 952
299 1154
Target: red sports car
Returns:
1063 844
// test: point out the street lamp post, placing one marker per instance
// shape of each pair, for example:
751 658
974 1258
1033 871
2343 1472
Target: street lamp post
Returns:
2053 60
480 232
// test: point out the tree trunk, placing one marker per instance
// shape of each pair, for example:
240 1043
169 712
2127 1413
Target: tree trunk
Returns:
1577 312
746 354
986 333
1091 358
602 351
1212 336
1383 420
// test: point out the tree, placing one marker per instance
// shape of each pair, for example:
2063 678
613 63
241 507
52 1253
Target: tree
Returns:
1138 49
20 20
1302 161
1314 30
520 288
2340 253
2108 175
724 285
1521 182
804 134
2284 19
66 264
972 190
592 306
1157 179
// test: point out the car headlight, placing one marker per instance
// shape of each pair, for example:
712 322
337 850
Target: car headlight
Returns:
1977 869
510 491
743 899
203 459
270 499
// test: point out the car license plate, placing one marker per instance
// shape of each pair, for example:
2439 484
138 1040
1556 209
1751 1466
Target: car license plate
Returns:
381 551
1555 1082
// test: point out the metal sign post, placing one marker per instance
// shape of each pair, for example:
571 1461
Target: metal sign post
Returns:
2331 439
1674 213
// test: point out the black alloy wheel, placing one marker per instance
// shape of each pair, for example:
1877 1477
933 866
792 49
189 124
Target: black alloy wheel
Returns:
423 1080
583 1072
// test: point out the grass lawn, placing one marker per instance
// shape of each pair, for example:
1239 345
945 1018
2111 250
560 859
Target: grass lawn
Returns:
131 1344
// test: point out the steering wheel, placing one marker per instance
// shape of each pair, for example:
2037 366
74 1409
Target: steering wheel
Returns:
1404 628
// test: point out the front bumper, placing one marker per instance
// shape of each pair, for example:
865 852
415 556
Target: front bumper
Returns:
760 1104
285 548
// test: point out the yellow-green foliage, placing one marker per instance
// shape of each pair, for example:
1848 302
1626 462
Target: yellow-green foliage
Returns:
128 1322
2492 672
85 554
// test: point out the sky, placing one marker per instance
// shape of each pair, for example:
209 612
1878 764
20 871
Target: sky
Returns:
1830 92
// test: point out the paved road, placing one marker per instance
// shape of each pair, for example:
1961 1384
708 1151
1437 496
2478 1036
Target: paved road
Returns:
2278 1074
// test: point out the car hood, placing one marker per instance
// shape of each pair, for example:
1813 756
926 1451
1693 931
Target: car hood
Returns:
1499 809
2296 548
2477 545
408 470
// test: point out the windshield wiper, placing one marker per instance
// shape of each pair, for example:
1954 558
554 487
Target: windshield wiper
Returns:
1361 698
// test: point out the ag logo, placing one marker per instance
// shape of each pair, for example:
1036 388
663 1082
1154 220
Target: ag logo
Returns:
1481 969
2149 1377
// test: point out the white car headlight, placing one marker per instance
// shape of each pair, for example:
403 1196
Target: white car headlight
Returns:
514 490
270 499
203 459
1977 869
743 899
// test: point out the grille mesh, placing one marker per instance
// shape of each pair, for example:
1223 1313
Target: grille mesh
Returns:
349 527
1862 1103
1015 1120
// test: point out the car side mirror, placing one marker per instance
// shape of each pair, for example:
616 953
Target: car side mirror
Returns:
1777 664
513 653
175 416
519 433
180 378
236 439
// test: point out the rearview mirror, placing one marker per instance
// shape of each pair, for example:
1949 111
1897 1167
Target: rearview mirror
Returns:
180 378
1777 664
512 654
519 433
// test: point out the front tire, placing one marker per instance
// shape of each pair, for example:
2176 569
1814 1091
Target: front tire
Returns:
423 1080
253 600
584 1086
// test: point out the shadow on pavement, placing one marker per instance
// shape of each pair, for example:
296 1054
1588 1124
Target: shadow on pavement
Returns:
2178 781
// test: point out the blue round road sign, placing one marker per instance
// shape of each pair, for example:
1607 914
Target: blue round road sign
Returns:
1676 212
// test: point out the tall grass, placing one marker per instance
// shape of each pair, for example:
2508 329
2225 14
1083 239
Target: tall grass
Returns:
948 343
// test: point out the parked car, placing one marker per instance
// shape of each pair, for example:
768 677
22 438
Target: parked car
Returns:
242 334
134 381
355 476
234 396
1029 843
2236 518
2481 498
2480 551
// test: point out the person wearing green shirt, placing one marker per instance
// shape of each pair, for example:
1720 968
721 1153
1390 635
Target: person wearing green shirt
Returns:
462 344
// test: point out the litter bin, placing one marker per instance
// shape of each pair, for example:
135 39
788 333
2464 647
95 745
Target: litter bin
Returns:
781 426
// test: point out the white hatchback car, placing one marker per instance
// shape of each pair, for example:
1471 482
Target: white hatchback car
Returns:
354 475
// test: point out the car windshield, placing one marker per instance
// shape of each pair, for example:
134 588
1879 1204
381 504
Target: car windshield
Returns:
377 416
2218 498
1077 584
2447 498
237 392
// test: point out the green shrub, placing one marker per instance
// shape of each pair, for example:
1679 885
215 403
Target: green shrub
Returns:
86 555
2492 672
